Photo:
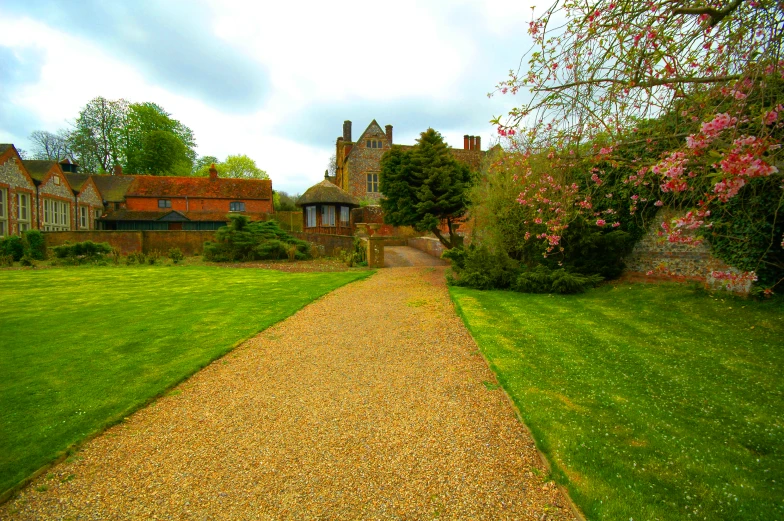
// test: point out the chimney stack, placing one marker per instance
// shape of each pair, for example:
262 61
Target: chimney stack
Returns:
466 142
478 142
213 173
117 170
389 133
347 131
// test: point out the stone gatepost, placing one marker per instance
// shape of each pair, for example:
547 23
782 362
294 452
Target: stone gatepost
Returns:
375 252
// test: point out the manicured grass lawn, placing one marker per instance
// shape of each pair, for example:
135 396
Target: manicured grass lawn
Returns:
81 348
651 402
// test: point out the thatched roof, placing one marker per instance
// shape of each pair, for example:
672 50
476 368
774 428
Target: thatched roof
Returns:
326 192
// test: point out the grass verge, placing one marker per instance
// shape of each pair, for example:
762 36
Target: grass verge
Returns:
83 347
651 402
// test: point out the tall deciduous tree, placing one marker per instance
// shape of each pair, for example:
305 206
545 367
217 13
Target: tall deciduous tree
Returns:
424 186
97 137
154 143
51 146
237 166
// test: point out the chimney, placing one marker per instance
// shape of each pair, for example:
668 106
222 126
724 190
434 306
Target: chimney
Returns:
389 133
117 170
347 131
478 142
213 173
466 142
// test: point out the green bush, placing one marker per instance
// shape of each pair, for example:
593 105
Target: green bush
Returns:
243 240
13 246
35 244
82 252
28 261
480 268
175 254
6 261
544 280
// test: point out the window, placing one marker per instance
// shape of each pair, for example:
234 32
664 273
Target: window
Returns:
57 180
327 216
372 183
310 213
164 203
344 215
3 212
56 215
373 143
97 216
236 207
83 216
23 212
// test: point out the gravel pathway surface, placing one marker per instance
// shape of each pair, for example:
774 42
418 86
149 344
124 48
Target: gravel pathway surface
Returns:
371 403
400 256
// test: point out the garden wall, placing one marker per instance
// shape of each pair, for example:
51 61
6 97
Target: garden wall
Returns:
656 258
189 242
329 242
428 245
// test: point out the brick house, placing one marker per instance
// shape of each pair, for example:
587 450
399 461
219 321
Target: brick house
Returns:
17 194
146 202
358 163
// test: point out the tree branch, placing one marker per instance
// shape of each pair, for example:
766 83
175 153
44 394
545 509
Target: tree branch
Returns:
655 82
715 15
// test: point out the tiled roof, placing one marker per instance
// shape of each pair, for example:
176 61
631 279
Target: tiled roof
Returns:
38 168
135 215
112 187
221 188
77 180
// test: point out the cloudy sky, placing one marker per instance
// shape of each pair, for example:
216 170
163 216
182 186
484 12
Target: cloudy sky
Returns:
273 80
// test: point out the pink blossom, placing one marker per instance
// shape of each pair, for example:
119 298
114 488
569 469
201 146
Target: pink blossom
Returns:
616 224
600 222
771 117
658 203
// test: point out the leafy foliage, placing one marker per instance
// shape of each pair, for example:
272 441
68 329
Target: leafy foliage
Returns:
35 244
423 186
82 252
237 166
175 254
13 246
244 240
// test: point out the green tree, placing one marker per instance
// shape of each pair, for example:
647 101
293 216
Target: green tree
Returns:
97 136
283 202
238 167
154 143
424 186
202 164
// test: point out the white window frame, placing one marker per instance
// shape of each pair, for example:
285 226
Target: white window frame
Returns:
83 214
56 215
23 212
4 212
328 215
310 214
344 215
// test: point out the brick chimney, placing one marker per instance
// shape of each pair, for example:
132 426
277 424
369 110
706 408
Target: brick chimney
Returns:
117 170
389 133
466 142
478 142
213 173
347 131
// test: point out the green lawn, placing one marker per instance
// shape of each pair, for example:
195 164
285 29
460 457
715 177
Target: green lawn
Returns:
83 347
651 402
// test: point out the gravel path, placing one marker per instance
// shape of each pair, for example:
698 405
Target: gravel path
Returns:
371 403
400 256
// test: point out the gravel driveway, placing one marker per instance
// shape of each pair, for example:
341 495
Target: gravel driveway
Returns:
371 403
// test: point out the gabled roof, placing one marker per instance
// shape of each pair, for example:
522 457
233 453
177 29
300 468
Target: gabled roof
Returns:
77 181
362 136
112 187
8 151
326 192
220 188
39 168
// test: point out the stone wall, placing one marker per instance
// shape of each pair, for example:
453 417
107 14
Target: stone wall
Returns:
428 245
654 257
329 242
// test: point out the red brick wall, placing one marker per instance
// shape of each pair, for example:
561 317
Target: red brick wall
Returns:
190 242
197 204
126 242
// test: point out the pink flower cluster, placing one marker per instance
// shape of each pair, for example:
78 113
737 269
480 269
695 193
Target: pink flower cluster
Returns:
672 168
742 162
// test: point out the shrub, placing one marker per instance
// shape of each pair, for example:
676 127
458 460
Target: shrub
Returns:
28 261
175 254
544 280
243 240
357 256
480 268
6 261
35 244
153 257
81 252
13 246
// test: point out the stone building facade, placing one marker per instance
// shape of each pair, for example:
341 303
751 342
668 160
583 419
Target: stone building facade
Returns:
358 163
17 194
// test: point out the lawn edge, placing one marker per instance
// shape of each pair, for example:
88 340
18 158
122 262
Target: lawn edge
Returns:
11 492
564 489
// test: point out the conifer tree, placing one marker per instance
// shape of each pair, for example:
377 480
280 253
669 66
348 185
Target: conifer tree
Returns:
424 186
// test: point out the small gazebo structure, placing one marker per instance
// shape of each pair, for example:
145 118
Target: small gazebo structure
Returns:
326 208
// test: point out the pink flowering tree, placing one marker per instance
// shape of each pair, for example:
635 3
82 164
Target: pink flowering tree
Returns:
687 98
